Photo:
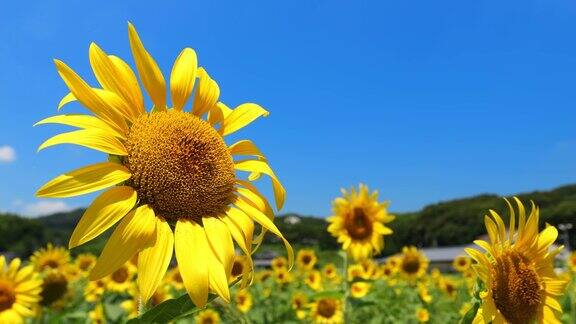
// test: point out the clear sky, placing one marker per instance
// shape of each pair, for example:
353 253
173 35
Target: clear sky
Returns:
422 100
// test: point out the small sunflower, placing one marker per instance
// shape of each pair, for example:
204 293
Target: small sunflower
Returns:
20 290
413 263
55 286
171 180
422 315
121 279
279 263
462 263
357 271
306 259
359 289
572 261
424 293
283 276
207 316
97 315
299 301
264 275
243 300
327 311
242 266
448 286
313 279
517 269
50 257
330 271
388 271
94 290
175 279
85 262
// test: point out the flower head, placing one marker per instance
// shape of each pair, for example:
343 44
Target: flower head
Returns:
20 290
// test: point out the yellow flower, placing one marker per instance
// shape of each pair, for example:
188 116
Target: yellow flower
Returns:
94 290
413 263
175 279
167 168
283 276
359 289
85 262
97 315
264 275
356 271
448 286
243 300
358 222
424 293
72 272
242 266
370 268
461 263
54 288
422 315
330 271
313 279
306 259
19 291
50 257
121 279
518 269
299 301
279 263
572 261
207 316
394 262
327 311
388 271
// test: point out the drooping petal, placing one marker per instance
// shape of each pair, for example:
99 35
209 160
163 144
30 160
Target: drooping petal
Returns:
85 180
135 232
149 72
183 77
90 98
191 246
245 147
153 261
242 116
218 113
263 167
105 211
115 78
220 241
244 222
207 94
81 121
66 100
91 138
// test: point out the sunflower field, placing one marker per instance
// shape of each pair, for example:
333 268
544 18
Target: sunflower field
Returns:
188 216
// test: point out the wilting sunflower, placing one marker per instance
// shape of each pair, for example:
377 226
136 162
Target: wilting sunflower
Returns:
413 263
518 269
19 291
85 262
461 263
327 311
299 301
359 289
306 259
422 315
207 316
170 178
313 279
50 257
243 300
358 222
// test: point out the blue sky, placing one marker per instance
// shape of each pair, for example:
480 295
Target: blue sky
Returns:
422 100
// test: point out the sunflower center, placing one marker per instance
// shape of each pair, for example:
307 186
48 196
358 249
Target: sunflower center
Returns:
7 295
180 166
516 287
120 275
237 268
306 259
462 262
358 224
411 264
327 308
52 264
85 265
54 288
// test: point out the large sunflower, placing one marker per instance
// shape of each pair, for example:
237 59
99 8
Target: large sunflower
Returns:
327 311
19 291
518 269
171 180
358 222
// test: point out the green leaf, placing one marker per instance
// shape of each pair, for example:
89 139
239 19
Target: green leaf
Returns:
469 316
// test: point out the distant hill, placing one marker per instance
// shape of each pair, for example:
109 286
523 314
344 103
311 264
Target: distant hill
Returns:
453 222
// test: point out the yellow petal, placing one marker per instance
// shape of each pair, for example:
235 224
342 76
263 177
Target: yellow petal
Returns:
115 78
191 246
492 230
218 278
106 210
135 232
207 94
257 201
259 217
131 84
149 72
117 103
242 116
153 261
66 100
91 138
218 113
85 180
183 77
90 98
238 235
81 121
220 241
263 167
244 222
546 238
245 147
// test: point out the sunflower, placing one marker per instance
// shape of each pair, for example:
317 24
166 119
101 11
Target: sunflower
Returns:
388 271
327 311
572 261
306 259
121 279
422 315
461 263
356 271
358 222
299 301
54 288
424 294
279 263
359 289
20 290
207 316
370 268
283 276
85 262
413 263
243 300
448 286
241 267
264 275
175 279
97 315
517 269
50 257
313 279
170 178
94 290
330 271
